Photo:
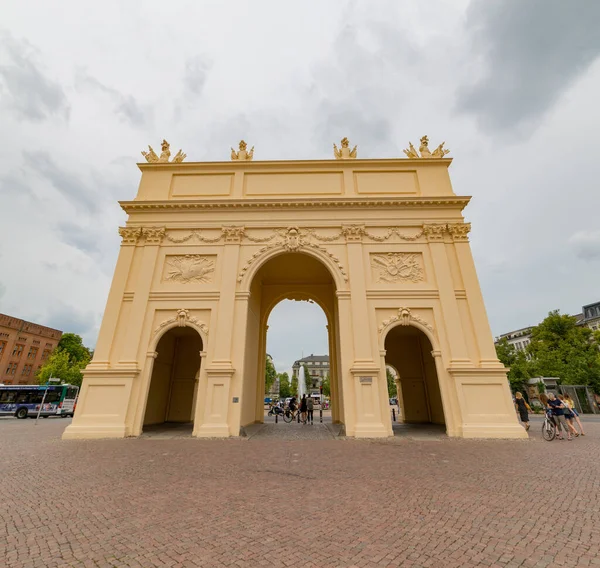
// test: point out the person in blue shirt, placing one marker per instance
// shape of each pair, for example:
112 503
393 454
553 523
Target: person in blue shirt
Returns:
558 412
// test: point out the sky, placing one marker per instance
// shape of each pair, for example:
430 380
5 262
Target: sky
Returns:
512 87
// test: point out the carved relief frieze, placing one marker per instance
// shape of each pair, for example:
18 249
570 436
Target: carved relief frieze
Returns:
189 268
405 317
130 235
397 267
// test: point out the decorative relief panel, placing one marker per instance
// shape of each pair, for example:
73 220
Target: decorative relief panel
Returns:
189 268
397 267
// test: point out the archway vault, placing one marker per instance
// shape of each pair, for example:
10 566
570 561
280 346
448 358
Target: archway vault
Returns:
205 245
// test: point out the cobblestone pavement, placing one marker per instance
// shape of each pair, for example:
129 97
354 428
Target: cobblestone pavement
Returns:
184 502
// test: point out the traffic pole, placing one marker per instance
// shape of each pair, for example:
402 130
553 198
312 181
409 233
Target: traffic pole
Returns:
394 414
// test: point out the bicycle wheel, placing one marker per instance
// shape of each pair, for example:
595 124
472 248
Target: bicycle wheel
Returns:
548 431
288 416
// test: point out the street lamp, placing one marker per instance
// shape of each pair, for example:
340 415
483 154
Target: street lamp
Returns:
50 380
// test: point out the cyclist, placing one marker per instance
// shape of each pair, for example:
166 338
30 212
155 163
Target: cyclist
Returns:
292 404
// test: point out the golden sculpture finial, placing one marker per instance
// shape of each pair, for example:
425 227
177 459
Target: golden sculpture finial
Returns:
344 153
165 154
243 154
439 152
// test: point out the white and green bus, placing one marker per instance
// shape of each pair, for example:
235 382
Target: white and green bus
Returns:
24 401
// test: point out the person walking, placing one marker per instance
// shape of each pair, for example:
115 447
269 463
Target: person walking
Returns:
557 408
523 409
569 416
571 403
303 408
310 407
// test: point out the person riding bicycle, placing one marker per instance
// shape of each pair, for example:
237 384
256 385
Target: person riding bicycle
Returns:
292 403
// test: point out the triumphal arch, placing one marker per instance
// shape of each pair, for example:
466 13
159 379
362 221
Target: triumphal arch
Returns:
210 248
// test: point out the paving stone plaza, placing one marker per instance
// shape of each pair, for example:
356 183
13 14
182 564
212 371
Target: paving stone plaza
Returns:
291 496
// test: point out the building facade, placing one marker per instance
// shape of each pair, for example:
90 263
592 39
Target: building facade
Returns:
318 369
24 348
209 249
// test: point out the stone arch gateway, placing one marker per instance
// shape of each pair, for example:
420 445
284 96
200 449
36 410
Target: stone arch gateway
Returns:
382 245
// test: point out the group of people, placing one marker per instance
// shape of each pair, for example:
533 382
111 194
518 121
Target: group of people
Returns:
307 407
562 410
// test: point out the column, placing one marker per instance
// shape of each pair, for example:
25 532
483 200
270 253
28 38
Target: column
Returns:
130 236
141 393
153 238
483 332
449 397
452 326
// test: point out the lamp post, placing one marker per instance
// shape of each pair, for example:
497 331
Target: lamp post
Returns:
50 380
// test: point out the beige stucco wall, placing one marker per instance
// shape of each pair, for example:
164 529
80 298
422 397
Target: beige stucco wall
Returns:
388 234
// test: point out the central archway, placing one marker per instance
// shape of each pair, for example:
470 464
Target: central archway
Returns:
293 276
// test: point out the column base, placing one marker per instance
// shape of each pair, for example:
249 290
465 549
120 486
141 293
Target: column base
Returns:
367 430
89 432
499 431
212 431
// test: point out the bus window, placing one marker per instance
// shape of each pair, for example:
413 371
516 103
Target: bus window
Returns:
23 397
51 396
71 393
7 397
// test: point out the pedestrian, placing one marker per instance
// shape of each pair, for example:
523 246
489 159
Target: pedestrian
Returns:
522 408
557 408
310 406
303 408
571 404
569 416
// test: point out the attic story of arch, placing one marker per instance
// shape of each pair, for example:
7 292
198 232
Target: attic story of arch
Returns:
342 153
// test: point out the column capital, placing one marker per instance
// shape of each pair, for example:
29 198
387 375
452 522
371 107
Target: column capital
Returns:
353 233
459 232
153 235
233 234
435 232
130 235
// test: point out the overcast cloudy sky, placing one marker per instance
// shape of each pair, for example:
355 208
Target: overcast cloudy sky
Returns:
512 86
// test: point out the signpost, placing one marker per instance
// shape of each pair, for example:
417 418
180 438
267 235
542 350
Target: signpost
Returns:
50 380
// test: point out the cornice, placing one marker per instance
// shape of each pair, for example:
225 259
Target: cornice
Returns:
253 165
451 202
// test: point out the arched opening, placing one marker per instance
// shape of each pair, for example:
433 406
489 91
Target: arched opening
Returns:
299 277
408 352
174 380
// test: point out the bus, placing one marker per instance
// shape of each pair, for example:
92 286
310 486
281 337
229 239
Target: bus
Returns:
25 400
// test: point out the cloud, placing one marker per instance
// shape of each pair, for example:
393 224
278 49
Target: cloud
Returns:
28 91
196 74
79 237
125 106
586 244
70 320
527 54
67 183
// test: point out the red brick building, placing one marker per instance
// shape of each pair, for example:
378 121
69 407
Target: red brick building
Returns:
24 348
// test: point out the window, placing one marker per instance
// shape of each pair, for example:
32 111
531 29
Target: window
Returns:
45 354
49 345
32 353
11 369
2 348
18 350
26 370
36 342
7 397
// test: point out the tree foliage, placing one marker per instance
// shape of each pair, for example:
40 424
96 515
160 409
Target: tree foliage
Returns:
327 385
67 361
307 379
560 348
285 388
270 375
520 369
391 383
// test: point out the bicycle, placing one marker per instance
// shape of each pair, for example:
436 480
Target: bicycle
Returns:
548 429
291 415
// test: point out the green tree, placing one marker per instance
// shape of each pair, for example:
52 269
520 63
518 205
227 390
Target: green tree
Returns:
67 361
520 369
327 385
285 389
560 348
391 383
294 385
270 375
307 379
